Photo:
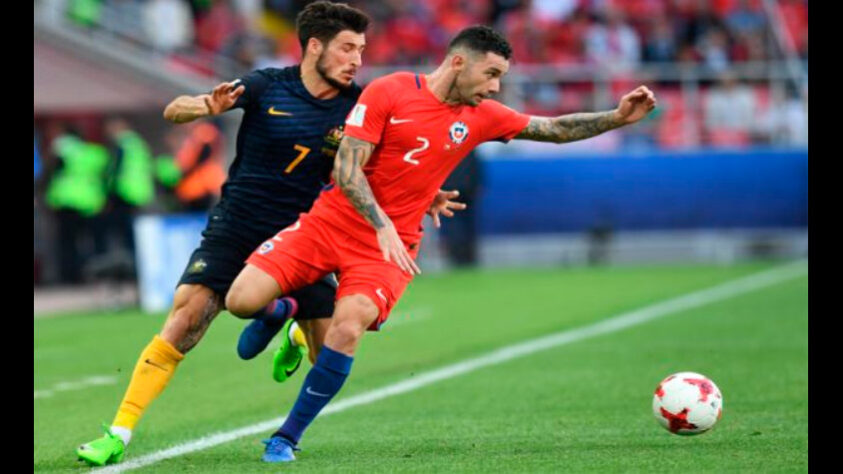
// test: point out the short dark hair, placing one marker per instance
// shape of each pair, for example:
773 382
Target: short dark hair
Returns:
323 20
482 39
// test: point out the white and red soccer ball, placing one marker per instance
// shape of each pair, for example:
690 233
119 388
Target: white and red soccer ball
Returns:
687 403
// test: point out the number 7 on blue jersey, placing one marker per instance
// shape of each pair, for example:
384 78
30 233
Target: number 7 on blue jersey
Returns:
303 151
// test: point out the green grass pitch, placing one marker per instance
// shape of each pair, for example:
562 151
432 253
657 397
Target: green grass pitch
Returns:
581 407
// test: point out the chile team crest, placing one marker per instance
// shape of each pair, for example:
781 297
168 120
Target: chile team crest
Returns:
458 132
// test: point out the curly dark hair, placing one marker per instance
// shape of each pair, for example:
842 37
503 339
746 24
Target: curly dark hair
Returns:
323 20
482 39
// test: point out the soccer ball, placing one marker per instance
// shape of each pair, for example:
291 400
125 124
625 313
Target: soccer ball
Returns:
687 403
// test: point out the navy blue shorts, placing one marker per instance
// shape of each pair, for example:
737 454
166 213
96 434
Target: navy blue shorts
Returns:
222 255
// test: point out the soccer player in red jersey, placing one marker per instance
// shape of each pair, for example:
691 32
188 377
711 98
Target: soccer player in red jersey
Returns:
406 133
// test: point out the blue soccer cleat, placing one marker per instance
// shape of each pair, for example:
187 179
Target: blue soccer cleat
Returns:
256 336
279 449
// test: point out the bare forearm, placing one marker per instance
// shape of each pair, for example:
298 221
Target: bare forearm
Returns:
569 128
349 176
186 109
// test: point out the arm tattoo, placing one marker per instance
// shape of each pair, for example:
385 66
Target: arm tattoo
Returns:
348 174
569 128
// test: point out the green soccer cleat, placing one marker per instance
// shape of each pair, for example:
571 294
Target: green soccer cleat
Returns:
288 356
106 450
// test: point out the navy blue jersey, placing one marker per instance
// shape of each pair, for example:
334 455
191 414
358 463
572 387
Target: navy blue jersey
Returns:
285 149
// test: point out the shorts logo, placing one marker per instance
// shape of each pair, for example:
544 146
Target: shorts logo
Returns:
197 267
458 132
357 115
265 247
380 294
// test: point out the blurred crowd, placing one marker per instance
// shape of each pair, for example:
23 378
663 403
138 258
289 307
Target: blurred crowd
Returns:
93 177
228 38
619 33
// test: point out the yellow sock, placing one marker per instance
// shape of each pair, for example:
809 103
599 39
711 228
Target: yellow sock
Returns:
298 336
153 371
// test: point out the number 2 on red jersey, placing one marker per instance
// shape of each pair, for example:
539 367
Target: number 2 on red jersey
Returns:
425 144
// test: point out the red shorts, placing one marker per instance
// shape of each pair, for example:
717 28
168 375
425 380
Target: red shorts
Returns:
306 251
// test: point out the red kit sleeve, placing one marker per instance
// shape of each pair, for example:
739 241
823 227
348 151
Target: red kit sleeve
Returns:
501 122
367 119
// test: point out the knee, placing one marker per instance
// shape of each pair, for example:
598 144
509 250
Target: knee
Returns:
348 331
352 318
239 301
251 291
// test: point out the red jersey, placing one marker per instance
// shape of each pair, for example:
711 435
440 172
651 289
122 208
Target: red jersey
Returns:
419 141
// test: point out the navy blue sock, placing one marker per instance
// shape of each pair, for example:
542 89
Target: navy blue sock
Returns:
321 384
275 312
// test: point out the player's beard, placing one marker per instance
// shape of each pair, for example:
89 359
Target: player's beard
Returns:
464 93
323 72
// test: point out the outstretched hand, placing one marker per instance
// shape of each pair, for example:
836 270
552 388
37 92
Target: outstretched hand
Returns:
393 248
442 204
223 97
635 105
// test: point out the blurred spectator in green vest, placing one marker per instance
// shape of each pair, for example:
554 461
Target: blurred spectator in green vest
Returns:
130 183
77 184
77 193
131 172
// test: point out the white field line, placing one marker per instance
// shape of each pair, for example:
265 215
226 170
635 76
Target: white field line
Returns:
86 382
613 324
